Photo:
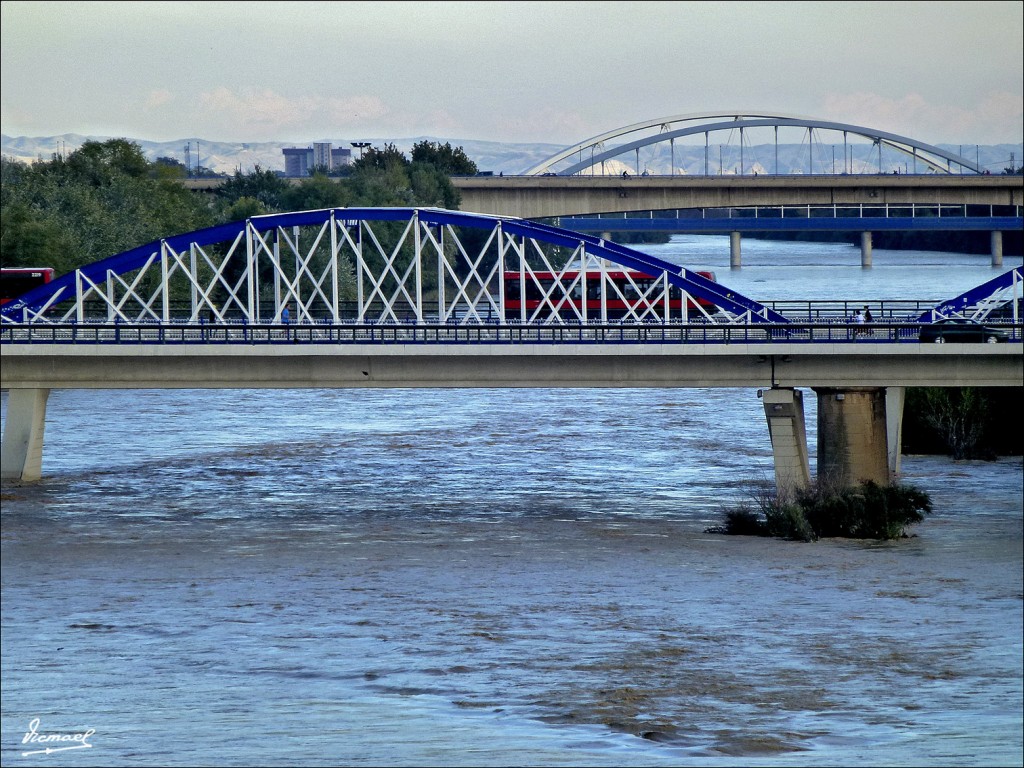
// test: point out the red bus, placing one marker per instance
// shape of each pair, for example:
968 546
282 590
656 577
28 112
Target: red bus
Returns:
15 281
632 285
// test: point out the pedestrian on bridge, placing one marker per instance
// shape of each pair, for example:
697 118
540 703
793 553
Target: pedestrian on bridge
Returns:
858 319
286 316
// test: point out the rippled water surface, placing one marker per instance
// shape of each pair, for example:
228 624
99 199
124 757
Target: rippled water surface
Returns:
499 577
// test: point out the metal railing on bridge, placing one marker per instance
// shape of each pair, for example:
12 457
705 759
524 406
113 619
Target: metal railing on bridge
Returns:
830 211
822 332
799 310
836 217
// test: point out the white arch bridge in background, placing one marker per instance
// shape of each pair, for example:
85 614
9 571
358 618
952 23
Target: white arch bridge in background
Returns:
591 154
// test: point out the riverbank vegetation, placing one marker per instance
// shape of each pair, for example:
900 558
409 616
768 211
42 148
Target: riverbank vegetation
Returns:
867 510
964 422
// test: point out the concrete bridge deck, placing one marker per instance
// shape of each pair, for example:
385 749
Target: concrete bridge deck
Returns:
567 365
535 197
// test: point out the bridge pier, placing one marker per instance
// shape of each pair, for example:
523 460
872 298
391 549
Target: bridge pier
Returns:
865 249
853 436
859 436
784 410
997 248
735 260
894 399
22 449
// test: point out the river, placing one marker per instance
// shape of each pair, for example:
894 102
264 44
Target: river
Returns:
500 577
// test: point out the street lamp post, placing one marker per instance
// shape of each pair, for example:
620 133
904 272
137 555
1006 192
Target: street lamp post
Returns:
360 145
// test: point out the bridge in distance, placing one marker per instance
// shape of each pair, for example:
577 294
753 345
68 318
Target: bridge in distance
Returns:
539 197
882 181
859 203
542 197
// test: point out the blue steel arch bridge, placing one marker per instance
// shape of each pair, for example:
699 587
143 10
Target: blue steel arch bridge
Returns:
414 267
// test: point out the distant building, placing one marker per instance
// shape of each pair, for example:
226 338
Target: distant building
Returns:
298 161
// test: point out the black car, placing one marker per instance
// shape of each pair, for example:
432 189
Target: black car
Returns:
959 329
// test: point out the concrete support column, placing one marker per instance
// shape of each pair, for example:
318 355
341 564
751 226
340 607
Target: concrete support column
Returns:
21 455
784 410
894 398
852 436
735 260
606 236
997 249
865 249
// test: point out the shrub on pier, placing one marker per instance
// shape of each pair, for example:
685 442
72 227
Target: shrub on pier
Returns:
867 510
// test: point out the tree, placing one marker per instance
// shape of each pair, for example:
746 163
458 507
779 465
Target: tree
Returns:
169 168
452 162
106 198
244 208
101 200
30 240
969 422
262 185
99 161
388 159
315 193
432 186
956 417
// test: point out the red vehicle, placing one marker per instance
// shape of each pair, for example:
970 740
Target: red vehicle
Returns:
15 281
639 294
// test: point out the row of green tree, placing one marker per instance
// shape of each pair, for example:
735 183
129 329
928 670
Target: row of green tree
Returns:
106 198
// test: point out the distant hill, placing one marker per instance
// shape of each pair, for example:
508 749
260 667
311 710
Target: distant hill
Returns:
500 157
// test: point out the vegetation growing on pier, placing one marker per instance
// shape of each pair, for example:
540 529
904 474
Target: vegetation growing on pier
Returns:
868 510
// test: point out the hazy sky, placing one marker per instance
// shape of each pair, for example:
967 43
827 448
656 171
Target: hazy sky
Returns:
556 72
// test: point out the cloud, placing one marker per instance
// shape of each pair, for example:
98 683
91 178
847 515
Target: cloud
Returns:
159 98
548 125
353 110
994 118
268 113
